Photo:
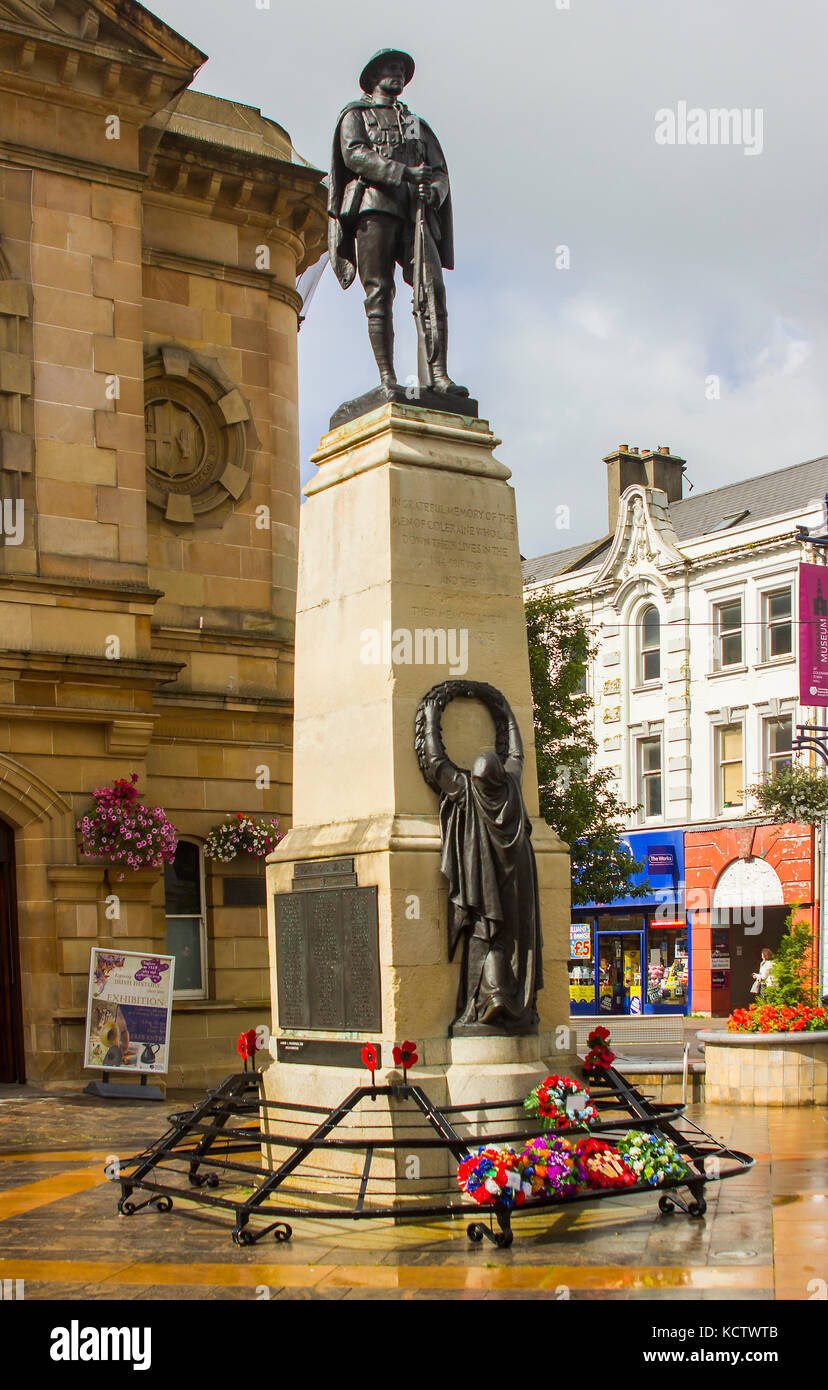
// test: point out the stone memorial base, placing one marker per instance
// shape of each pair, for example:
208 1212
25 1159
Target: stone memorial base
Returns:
409 575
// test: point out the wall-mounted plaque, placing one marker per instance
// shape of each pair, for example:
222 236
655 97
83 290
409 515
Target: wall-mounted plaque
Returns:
321 1052
327 960
324 873
322 868
247 891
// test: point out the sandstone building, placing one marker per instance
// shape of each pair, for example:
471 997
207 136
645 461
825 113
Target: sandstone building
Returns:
150 243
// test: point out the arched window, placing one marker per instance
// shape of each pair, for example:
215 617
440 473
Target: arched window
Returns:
186 926
649 646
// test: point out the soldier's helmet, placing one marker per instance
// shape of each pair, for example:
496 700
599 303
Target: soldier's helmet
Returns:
370 73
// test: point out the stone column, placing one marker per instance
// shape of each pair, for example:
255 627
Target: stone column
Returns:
409 574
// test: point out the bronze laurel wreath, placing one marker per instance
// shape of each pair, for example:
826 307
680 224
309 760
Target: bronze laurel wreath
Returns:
441 695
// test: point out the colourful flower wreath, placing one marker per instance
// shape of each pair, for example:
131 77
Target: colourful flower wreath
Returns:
552 1163
548 1101
496 1175
598 1164
652 1157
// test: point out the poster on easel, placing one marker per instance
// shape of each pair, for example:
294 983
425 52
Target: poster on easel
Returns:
129 1011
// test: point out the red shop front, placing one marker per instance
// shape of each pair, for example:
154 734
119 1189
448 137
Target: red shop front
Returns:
741 881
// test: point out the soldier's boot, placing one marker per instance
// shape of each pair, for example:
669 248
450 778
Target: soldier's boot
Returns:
381 334
442 380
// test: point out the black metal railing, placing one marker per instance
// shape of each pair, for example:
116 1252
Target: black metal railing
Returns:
198 1158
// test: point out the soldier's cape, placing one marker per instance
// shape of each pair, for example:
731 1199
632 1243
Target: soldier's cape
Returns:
342 236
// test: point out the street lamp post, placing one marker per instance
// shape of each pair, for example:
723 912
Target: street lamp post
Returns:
815 738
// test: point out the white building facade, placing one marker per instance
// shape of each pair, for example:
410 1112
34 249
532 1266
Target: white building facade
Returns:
695 687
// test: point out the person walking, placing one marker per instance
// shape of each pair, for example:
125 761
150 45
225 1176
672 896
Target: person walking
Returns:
763 977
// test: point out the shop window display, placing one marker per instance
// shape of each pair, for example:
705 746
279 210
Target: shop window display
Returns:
581 969
628 964
667 967
582 987
619 974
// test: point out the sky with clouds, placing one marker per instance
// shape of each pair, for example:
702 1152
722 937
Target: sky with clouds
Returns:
686 261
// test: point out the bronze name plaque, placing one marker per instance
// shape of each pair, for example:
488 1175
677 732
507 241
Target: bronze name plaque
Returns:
327 960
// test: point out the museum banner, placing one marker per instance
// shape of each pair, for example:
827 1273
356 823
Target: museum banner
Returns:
129 1011
813 635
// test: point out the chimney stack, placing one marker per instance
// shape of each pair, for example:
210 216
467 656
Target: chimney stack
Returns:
664 470
651 468
624 468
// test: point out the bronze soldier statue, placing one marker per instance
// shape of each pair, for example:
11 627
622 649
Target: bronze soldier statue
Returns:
389 204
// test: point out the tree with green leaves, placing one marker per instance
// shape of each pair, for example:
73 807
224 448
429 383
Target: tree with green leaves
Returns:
791 983
578 801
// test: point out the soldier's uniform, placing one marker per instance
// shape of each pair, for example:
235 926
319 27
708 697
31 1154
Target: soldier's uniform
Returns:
373 211
377 143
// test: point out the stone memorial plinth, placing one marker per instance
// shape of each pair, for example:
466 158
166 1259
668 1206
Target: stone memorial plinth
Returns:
409 575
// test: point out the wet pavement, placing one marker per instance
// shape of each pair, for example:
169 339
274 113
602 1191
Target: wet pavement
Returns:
764 1237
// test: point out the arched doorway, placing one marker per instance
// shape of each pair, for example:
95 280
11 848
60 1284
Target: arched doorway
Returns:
749 912
11 1014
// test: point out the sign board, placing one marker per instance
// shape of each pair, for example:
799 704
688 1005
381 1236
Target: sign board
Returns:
661 859
580 941
813 635
129 1011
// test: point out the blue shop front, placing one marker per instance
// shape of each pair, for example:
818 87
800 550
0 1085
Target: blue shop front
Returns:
632 956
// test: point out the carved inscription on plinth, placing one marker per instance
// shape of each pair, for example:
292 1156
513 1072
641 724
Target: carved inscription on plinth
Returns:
327 952
458 543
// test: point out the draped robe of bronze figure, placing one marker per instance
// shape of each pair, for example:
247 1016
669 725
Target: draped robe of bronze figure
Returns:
386 165
489 862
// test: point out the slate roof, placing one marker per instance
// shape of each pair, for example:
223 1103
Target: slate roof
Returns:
770 494
575 558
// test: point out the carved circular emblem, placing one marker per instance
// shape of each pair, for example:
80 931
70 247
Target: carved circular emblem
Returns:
196 435
183 440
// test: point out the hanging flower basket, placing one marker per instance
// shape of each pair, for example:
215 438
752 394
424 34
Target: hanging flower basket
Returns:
794 794
242 834
125 832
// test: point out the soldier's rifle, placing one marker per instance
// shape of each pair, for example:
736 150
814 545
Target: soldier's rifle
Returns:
425 304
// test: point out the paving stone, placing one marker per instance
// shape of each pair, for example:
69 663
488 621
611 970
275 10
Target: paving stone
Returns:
72 1245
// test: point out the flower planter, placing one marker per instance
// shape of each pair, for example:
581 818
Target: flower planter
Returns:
766 1068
